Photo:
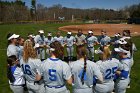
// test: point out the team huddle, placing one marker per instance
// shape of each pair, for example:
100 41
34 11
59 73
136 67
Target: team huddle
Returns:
38 63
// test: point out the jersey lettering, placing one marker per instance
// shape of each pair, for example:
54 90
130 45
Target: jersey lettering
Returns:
110 73
52 75
26 69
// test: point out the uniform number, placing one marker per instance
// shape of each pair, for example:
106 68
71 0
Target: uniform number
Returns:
26 69
52 75
110 73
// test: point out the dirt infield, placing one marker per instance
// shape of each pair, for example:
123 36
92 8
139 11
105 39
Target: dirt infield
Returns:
110 28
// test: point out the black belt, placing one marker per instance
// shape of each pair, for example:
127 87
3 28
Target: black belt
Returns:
16 85
55 86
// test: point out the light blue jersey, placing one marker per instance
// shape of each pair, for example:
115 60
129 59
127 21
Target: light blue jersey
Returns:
12 50
49 41
108 69
91 41
69 41
40 51
59 39
124 79
104 40
55 72
30 68
77 70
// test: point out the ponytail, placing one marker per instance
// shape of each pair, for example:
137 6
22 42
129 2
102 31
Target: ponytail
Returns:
84 70
81 53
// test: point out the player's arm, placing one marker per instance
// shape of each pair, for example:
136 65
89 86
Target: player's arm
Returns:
98 73
67 73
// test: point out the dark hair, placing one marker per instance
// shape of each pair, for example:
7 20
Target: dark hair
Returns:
58 49
10 63
81 53
126 33
9 35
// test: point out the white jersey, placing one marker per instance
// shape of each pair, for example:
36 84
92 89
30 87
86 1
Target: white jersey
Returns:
59 39
30 68
127 64
20 52
55 72
77 70
18 75
104 40
12 50
90 41
108 68
69 41
40 40
80 39
49 41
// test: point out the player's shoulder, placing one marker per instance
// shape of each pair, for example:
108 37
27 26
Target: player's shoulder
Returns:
114 60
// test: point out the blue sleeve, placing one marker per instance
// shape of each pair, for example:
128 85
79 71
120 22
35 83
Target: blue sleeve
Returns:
94 80
124 73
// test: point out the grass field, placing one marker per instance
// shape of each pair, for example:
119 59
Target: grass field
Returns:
24 29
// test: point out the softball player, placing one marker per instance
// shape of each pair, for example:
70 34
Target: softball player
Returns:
91 41
55 71
48 41
15 75
83 72
30 65
80 38
40 39
127 37
12 49
108 67
20 47
69 42
59 38
104 39
123 76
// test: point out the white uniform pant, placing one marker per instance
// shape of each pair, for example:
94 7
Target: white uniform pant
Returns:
70 50
56 90
86 90
17 89
90 52
104 87
35 88
121 85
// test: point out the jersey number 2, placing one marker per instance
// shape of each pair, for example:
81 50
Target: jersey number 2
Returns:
110 73
26 69
52 75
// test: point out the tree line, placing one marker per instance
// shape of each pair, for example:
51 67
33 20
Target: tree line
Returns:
16 11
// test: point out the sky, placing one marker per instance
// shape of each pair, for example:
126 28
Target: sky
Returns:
85 4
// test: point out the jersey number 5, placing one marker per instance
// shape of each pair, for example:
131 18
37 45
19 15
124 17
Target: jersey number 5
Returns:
26 69
52 75
110 73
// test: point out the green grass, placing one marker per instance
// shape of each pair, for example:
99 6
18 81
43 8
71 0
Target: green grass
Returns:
24 29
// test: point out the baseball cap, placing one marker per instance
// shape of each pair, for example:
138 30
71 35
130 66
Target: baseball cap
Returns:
90 31
32 36
121 50
41 31
13 36
122 41
69 33
49 34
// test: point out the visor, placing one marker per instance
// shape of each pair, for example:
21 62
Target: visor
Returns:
13 36
41 31
121 50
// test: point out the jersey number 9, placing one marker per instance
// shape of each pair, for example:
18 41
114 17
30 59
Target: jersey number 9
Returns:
52 75
26 69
